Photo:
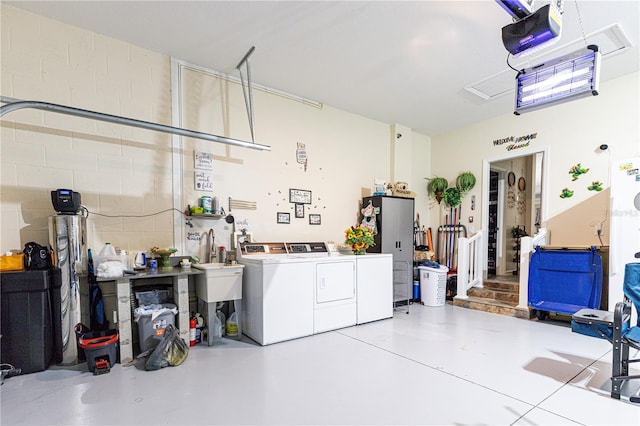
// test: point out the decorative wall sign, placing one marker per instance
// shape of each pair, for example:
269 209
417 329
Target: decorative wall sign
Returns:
299 210
314 219
203 160
299 196
301 155
284 217
203 181
514 142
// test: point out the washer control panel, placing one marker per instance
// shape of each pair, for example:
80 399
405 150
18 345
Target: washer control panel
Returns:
303 248
249 249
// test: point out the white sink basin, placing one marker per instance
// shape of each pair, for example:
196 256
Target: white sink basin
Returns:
219 282
206 266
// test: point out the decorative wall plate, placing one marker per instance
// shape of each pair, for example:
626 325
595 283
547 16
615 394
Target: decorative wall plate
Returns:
511 178
522 184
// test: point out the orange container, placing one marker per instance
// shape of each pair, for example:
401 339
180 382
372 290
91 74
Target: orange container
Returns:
12 263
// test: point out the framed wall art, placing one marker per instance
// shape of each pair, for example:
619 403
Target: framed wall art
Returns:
314 219
299 196
299 210
284 217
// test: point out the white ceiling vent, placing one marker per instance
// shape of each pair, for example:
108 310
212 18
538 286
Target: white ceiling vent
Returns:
611 40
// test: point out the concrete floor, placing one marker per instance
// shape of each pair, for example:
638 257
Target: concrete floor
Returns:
435 366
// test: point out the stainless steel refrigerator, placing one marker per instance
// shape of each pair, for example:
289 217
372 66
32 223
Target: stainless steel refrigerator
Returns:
67 237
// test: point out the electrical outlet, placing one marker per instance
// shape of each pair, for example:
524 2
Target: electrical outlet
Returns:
597 230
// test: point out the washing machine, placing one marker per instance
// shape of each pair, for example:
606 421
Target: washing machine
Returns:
293 290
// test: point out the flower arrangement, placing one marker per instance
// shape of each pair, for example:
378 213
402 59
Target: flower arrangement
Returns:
358 238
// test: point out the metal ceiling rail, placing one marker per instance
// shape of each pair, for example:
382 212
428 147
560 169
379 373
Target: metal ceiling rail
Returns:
16 104
248 97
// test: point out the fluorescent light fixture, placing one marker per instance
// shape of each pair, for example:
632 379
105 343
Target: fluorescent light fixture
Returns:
611 40
570 77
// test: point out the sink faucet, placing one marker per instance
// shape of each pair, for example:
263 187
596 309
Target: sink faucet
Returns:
210 246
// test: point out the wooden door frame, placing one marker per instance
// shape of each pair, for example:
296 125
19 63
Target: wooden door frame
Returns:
544 191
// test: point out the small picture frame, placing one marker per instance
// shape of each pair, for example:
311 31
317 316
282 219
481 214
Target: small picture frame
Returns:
284 217
314 219
299 210
299 196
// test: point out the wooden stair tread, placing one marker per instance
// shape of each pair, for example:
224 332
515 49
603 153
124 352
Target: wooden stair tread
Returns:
488 305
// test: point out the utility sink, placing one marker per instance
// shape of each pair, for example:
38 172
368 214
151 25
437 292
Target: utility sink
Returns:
214 265
219 282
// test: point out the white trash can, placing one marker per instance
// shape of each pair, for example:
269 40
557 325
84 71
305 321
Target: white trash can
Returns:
433 285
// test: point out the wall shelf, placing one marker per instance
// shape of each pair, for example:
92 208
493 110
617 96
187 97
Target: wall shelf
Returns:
206 216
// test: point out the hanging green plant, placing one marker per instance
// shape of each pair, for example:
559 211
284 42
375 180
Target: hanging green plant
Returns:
452 197
465 182
436 187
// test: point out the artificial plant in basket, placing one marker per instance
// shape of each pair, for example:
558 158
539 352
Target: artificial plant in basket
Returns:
436 187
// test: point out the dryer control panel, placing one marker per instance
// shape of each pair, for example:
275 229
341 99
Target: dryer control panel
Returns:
300 248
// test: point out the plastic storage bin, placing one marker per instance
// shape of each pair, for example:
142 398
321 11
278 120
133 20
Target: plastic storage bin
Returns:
433 285
152 320
14 262
152 297
564 280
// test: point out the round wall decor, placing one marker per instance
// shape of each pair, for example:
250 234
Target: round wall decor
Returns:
511 178
522 184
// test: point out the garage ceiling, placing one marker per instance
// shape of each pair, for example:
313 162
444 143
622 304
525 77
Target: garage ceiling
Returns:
430 65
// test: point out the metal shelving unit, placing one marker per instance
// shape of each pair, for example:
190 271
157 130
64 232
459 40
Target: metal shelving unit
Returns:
402 284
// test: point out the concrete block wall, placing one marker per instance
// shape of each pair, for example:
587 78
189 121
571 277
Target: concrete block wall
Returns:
119 171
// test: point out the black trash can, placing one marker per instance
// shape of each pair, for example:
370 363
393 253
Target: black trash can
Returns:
26 320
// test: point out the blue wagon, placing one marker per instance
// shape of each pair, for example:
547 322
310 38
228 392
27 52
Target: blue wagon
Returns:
564 280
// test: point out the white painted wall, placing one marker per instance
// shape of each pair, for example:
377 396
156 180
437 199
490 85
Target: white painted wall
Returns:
126 171
122 171
571 132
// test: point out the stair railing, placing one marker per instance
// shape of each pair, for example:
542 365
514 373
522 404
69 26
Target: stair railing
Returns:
469 264
527 246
